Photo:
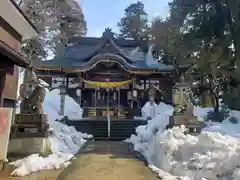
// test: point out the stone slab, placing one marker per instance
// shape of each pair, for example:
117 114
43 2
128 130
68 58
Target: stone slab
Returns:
182 119
19 135
26 146
30 118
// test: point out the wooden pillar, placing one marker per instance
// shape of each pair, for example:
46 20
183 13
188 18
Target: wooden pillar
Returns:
119 98
83 92
95 99
131 90
2 85
62 102
67 82
169 89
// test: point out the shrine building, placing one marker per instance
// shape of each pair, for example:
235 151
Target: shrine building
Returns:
108 74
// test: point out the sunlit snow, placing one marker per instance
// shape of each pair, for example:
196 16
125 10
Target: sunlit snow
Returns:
173 155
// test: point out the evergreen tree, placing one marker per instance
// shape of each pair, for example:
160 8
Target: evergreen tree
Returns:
168 40
134 23
199 31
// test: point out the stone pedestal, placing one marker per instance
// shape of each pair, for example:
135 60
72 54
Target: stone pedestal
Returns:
30 118
27 146
189 121
30 125
29 134
182 119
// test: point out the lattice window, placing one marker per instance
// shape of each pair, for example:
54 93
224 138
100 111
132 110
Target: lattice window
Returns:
56 82
129 95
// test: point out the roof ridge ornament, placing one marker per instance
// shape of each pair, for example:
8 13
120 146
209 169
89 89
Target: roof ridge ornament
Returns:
108 34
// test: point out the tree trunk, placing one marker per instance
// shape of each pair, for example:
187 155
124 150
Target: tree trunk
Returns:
214 96
20 3
216 107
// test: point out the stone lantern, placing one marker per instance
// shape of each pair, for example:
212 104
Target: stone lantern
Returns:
79 95
152 94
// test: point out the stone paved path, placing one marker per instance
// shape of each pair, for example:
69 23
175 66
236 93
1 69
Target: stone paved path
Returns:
101 161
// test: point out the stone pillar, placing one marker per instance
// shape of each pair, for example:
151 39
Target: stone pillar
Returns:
62 101
79 95
170 95
152 94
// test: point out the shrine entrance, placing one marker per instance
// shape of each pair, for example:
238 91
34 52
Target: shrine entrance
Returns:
106 101
106 98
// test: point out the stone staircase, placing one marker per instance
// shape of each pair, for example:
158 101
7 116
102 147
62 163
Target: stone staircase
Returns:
119 129
122 129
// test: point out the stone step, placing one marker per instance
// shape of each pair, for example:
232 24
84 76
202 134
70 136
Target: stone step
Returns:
29 135
30 119
29 127
119 129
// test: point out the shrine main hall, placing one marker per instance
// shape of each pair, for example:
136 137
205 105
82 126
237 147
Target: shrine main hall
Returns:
109 75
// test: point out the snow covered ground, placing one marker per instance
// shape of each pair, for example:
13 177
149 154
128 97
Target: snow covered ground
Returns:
226 127
65 142
174 155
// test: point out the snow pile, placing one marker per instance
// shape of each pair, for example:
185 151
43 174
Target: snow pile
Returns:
224 128
145 134
52 106
35 163
201 112
149 110
64 143
209 155
66 139
174 155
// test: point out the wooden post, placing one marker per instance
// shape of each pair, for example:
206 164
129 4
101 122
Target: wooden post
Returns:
62 103
95 100
62 97
119 98
131 90
2 85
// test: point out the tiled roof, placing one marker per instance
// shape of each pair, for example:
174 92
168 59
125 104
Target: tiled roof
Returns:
81 52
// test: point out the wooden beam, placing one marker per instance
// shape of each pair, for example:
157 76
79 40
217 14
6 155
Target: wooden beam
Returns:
14 56
48 75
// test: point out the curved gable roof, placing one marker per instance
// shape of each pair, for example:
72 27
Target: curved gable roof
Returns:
84 53
79 52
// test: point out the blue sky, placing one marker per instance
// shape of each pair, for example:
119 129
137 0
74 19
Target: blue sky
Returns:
100 14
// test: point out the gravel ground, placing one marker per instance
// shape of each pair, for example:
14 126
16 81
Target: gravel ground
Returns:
98 161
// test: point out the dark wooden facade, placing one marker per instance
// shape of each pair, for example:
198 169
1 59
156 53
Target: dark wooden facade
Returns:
96 66
10 57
